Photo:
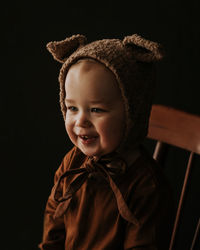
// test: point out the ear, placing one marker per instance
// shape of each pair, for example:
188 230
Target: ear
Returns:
61 50
143 49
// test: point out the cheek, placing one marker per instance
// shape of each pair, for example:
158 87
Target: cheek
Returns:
111 129
68 124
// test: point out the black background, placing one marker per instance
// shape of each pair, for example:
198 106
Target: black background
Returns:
32 129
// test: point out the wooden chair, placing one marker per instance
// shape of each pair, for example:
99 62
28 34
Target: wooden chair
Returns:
172 127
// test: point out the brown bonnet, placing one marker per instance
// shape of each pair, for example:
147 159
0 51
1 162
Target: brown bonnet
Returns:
132 60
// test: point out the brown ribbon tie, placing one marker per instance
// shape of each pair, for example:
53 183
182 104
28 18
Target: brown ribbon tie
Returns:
104 166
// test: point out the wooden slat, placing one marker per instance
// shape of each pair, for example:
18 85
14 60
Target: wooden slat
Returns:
181 200
195 235
175 127
160 152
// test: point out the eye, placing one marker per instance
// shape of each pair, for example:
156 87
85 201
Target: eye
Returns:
97 110
72 108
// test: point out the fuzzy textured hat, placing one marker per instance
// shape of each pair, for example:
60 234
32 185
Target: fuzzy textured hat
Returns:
132 61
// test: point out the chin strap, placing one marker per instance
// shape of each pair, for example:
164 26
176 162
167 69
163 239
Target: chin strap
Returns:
106 166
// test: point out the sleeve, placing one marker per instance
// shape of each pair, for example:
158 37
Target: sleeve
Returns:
152 206
54 229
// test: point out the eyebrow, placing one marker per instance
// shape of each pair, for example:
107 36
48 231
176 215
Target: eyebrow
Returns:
100 101
69 100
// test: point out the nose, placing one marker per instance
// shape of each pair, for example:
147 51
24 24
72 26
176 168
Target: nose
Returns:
83 120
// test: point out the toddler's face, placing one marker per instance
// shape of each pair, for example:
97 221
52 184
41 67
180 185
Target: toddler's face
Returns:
95 117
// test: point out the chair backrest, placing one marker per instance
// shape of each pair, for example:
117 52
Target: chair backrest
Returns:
172 127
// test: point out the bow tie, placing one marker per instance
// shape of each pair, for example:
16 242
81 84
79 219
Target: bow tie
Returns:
108 167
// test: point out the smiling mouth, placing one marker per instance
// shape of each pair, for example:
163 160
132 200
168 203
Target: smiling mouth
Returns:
87 139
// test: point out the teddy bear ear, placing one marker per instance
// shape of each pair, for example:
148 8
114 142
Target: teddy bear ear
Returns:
61 50
144 50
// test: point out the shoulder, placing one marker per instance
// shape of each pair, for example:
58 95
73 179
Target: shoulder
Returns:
147 187
146 174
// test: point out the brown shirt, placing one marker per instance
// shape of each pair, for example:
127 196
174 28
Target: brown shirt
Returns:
92 219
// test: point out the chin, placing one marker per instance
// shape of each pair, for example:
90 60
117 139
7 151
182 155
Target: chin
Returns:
90 152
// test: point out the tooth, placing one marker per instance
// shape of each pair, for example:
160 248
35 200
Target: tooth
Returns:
84 137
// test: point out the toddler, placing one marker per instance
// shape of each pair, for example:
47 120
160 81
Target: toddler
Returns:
108 192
